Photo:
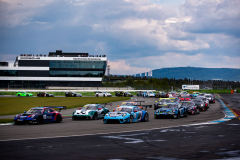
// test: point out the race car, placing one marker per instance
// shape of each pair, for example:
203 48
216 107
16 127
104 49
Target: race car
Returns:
194 94
161 95
127 94
72 94
150 94
162 102
119 93
127 114
25 94
204 99
102 94
172 110
191 107
201 104
39 115
90 111
171 94
140 93
44 94
210 97
185 98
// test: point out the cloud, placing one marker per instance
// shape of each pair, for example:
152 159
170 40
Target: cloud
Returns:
129 32
121 67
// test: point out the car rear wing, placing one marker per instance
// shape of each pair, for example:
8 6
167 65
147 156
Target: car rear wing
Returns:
146 106
59 107
138 101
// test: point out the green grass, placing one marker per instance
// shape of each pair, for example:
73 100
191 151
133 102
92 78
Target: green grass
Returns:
16 105
7 120
238 90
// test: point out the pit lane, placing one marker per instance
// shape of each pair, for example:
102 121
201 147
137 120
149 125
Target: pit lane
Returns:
68 127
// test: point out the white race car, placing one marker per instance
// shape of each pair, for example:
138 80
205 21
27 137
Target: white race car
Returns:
103 94
90 111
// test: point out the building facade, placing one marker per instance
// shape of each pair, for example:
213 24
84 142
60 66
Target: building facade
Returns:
57 69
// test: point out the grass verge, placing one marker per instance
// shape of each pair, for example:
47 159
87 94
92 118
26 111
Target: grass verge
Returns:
16 105
7 120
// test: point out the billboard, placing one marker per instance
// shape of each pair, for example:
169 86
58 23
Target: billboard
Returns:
193 87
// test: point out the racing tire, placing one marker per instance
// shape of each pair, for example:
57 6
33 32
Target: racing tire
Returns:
104 95
146 117
15 123
39 120
97 95
178 116
131 119
27 95
95 116
155 116
58 119
185 114
18 95
73 118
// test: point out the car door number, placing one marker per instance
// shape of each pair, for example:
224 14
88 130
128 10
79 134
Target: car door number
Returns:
47 117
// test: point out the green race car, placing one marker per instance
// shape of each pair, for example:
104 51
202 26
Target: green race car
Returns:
25 94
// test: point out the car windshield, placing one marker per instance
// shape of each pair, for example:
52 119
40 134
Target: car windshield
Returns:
39 111
198 101
124 109
128 103
91 107
171 106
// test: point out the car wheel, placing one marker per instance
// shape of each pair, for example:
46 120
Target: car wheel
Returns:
146 118
58 119
131 119
15 122
185 114
104 95
178 116
95 116
39 120
27 95
18 95
155 116
73 118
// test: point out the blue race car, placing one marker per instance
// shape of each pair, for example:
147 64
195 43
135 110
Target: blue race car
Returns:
171 110
39 115
127 114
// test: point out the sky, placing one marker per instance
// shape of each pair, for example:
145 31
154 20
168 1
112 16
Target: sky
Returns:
136 35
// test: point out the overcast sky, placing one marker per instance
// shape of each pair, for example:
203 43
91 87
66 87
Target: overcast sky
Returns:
136 35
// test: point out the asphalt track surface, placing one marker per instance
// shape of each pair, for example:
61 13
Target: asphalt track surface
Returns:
169 139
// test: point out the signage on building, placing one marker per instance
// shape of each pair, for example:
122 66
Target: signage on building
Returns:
193 87
88 59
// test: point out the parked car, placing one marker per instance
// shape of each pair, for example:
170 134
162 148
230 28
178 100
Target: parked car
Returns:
72 94
44 94
140 93
39 115
24 94
90 111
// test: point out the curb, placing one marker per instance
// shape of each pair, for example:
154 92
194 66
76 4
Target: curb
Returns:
229 115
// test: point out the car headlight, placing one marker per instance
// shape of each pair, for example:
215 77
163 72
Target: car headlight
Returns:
157 111
173 110
16 116
107 114
201 104
124 114
33 115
